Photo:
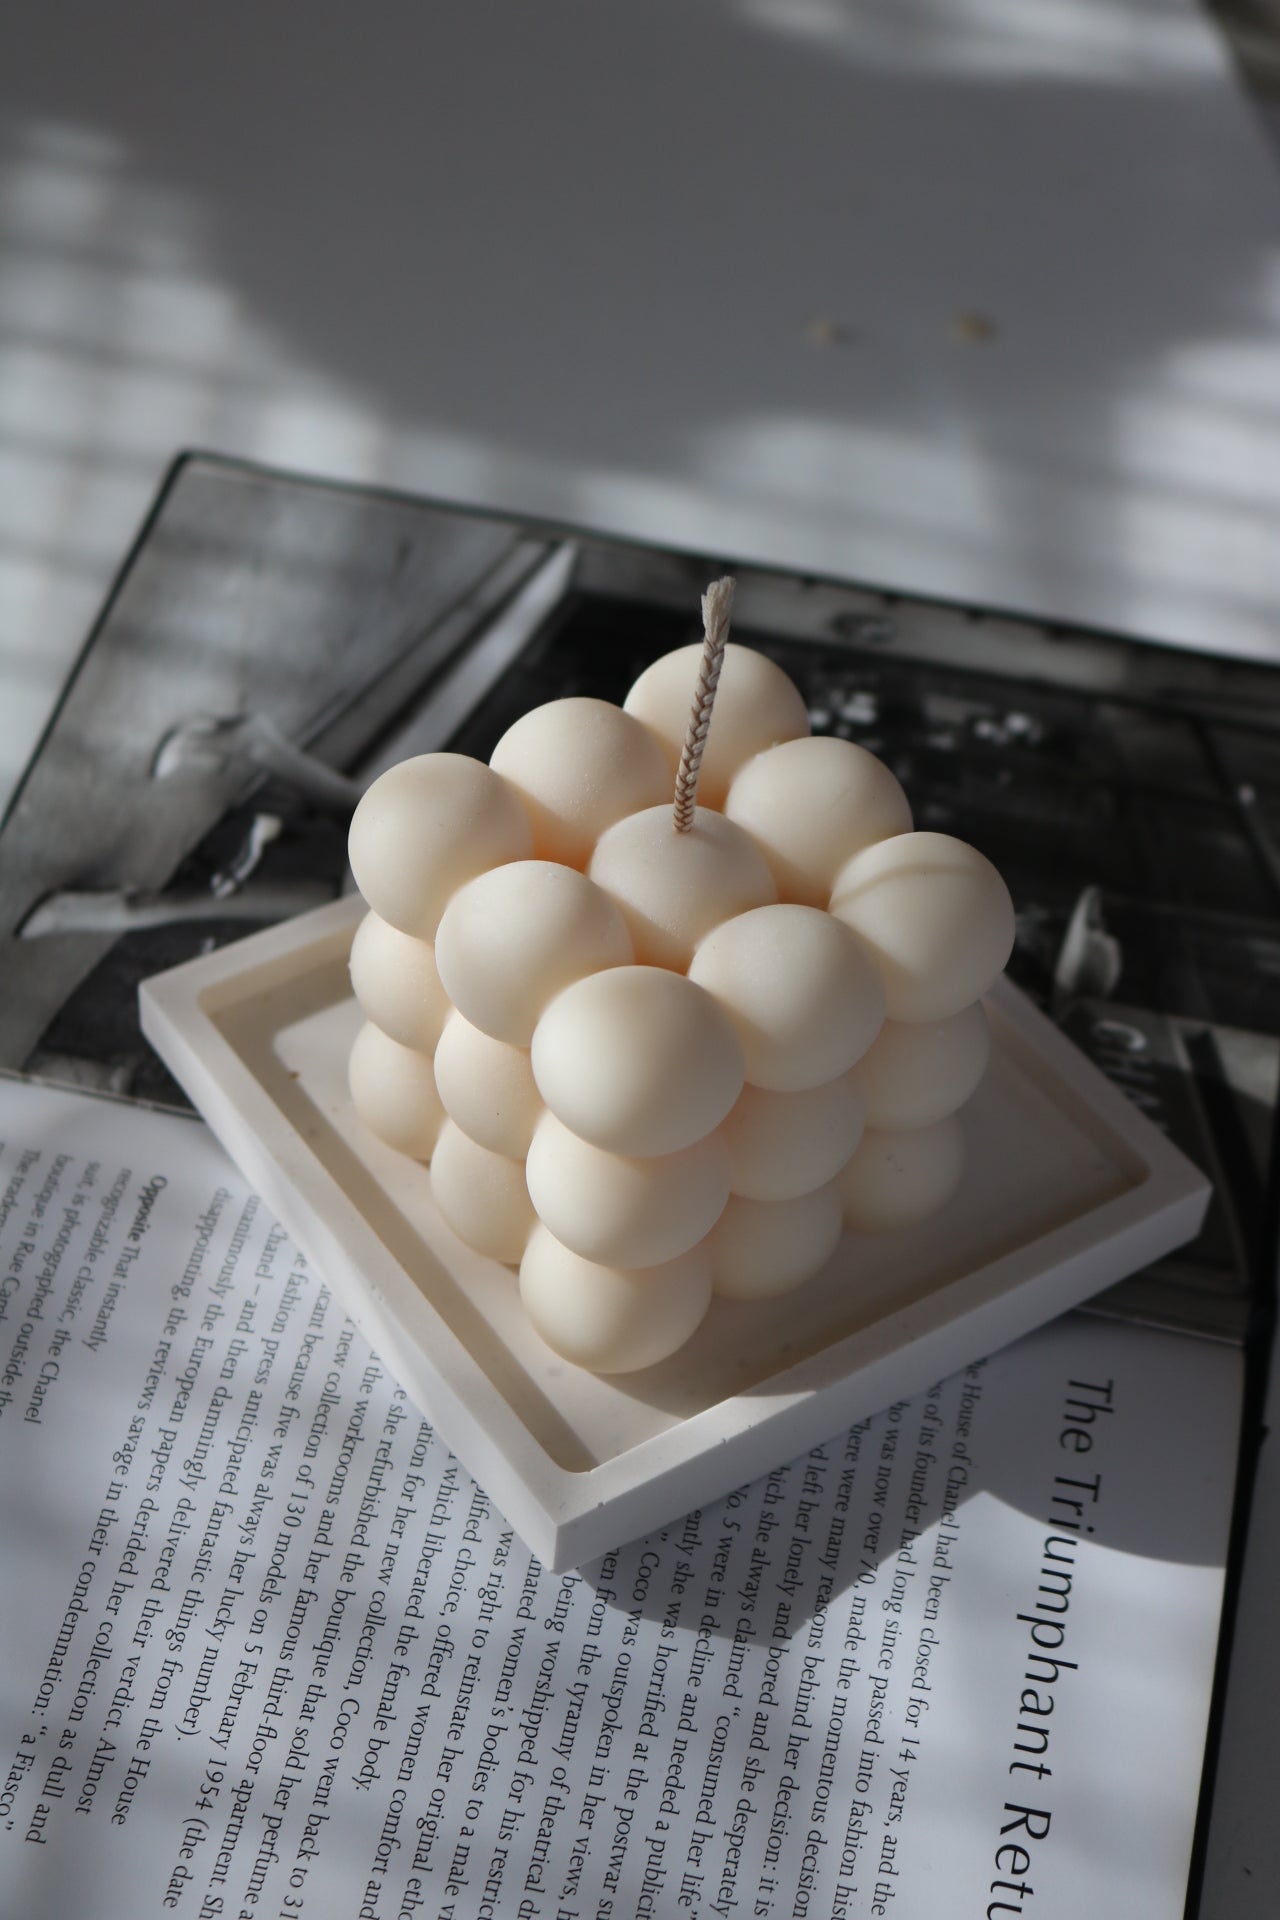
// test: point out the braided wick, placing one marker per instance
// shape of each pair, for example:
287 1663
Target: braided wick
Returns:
717 605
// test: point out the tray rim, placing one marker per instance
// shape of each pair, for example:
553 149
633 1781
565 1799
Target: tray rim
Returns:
569 1514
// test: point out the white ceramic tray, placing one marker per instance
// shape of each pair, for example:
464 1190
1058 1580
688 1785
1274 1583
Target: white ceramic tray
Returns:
1067 1189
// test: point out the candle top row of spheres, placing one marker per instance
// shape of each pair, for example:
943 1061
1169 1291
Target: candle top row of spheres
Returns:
650 1066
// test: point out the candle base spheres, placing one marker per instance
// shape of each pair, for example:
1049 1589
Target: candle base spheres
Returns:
652 1066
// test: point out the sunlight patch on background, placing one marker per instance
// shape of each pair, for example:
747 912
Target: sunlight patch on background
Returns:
59 192
1173 505
930 396
1096 40
119 347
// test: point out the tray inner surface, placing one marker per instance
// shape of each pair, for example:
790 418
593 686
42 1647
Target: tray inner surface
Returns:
1037 1159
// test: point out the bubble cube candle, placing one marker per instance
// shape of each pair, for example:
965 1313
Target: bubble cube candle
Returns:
659 1051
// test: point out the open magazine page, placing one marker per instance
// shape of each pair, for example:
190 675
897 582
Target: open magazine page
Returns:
269 1650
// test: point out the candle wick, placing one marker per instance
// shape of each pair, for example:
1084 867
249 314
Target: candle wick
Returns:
717 605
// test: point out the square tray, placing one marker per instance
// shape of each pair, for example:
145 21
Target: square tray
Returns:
1067 1189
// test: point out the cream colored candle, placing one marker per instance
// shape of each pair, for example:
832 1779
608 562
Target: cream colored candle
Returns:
914 1076
424 828
637 1060
756 707
672 888
620 1210
781 1145
482 1195
612 1319
579 765
487 1088
393 1089
936 917
804 998
397 983
512 939
685 1024
760 1248
810 805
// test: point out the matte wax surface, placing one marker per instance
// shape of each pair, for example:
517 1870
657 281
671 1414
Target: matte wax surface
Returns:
646 1063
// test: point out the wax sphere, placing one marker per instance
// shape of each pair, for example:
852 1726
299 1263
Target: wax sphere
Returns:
481 1195
781 1145
804 999
756 706
916 1075
487 1088
393 1089
759 1248
394 979
637 1060
612 1319
579 765
672 888
936 917
512 939
810 805
619 1210
897 1179
424 828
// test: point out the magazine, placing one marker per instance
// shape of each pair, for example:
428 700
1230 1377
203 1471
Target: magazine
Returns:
271 1650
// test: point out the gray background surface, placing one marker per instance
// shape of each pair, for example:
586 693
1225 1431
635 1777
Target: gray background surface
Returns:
959 295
